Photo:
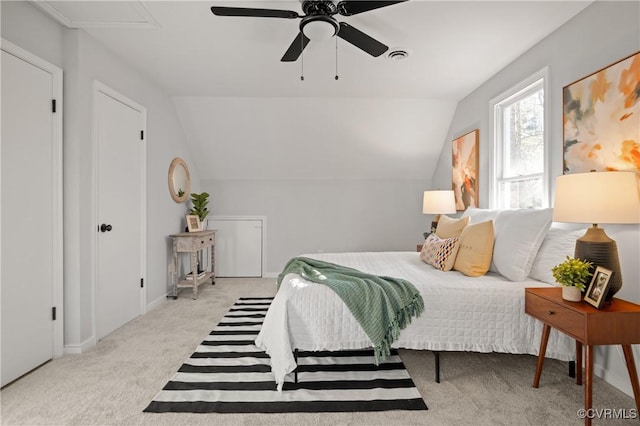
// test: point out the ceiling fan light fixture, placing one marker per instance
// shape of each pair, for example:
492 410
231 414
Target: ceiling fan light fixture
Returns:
318 23
319 27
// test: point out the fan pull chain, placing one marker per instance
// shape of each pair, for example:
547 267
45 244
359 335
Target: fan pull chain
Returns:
302 58
336 57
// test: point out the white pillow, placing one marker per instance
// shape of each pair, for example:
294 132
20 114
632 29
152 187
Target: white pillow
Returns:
518 236
556 246
476 215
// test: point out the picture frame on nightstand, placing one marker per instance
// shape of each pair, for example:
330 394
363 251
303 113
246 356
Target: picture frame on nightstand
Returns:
598 287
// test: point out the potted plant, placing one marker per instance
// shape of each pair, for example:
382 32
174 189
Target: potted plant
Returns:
572 275
199 205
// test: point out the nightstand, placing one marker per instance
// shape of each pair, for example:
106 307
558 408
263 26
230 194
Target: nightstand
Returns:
617 323
419 247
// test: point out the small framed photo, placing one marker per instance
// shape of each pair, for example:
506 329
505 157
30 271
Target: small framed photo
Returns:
193 223
598 287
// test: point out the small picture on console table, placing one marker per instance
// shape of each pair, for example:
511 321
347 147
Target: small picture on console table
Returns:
597 290
193 223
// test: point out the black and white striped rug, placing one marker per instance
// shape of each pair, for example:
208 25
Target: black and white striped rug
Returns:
229 374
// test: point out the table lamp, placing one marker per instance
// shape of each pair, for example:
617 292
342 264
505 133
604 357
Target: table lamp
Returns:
438 202
598 197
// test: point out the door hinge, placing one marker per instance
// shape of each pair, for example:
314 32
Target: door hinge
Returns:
141 282
53 105
53 313
141 135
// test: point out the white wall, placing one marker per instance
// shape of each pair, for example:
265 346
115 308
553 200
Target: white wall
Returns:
84 60
603 33
330 174
329 215
44 37
314 138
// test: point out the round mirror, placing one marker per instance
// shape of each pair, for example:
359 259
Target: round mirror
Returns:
179 180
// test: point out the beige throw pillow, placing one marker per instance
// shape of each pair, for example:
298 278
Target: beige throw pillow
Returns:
475 249
450 228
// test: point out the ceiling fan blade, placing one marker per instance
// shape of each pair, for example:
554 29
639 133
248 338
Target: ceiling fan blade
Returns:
353 7
295 50
259 13
360 40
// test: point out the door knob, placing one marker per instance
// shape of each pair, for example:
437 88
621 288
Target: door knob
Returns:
105 228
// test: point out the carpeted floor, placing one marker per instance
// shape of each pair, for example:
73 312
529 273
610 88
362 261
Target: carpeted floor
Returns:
112 383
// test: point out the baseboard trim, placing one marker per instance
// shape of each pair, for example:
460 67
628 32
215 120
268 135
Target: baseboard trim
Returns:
270 275
622 383
159 301
72 349
80 348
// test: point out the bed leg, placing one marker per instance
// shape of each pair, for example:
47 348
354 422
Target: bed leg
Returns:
295 372
436 354
572 369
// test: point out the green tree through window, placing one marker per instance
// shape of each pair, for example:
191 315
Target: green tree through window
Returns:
519 148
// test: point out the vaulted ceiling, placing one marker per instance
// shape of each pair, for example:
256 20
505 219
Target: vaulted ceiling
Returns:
204 60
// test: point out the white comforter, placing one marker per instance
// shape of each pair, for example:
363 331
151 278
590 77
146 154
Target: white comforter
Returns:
483 314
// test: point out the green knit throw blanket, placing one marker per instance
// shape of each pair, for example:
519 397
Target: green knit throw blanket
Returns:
382 305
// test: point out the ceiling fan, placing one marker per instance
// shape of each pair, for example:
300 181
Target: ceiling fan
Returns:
318 23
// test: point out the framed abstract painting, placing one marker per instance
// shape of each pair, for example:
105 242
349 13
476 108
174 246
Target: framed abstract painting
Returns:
601 120
464 179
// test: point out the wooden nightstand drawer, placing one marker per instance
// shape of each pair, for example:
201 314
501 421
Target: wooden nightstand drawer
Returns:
557 315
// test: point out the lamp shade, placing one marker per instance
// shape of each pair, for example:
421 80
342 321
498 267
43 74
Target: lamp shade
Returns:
597 197
438 202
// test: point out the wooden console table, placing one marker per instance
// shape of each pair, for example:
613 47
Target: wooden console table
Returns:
193 242
617 323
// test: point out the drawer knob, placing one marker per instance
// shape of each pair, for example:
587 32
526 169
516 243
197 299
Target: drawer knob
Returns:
551 313
201 242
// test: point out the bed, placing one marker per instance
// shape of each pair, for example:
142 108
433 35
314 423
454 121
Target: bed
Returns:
479 314
462 313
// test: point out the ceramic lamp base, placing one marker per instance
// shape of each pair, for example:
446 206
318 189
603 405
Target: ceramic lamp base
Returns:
596 247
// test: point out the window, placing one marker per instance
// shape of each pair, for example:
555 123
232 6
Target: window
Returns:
519 160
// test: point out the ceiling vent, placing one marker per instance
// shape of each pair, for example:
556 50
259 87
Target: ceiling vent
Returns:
99 14
397 54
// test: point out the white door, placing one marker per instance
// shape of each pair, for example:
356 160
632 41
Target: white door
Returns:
31 220
118 126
